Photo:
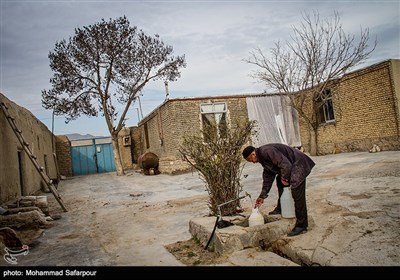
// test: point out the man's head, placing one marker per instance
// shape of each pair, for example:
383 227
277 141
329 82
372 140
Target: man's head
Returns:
249 154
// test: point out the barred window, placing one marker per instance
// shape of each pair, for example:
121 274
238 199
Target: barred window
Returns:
325 112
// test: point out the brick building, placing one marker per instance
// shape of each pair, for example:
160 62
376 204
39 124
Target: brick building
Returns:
162 130
365 110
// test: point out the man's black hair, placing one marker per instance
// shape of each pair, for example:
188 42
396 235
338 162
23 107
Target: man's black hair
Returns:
247 151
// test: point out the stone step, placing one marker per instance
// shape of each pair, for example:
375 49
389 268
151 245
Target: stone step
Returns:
239 236
244 245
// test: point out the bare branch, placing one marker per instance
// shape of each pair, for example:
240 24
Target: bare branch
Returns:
219 162
104 63
318 54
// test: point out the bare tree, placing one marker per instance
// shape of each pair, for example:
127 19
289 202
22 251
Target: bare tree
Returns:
319 53
215 152
102 64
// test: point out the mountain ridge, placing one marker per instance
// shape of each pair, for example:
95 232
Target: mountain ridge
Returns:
77 136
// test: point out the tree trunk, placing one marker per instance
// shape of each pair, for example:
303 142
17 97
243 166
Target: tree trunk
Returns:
117 156
313 141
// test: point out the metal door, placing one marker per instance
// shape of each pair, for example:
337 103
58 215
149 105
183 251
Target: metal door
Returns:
91 156
104 156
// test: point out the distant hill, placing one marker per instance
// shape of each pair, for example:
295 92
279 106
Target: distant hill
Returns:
77 136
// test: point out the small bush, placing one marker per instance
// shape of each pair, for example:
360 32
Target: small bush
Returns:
218 159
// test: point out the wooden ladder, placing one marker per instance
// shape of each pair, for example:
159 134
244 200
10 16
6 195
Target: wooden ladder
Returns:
31 156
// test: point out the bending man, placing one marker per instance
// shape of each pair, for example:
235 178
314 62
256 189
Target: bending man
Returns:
290 167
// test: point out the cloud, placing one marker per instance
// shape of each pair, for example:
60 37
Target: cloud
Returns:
214 36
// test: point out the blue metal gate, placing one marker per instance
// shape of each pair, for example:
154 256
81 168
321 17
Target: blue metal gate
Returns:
91 156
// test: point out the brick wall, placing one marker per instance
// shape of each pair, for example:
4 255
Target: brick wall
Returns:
169 122
366 113
136 143
63 152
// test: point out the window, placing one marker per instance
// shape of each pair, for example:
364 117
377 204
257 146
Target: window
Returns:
213 120
325 108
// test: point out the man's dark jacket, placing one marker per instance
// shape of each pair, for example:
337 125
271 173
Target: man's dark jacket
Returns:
285 161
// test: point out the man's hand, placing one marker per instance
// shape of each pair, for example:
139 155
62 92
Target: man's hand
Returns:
259 201
285 182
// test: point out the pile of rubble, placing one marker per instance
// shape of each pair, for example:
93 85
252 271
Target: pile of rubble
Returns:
23 221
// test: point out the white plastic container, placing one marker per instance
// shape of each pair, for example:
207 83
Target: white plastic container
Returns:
287 203
256 218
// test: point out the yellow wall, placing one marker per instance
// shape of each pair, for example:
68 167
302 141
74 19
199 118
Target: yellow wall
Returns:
18 175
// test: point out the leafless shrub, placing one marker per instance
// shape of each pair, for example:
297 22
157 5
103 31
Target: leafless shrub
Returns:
216 154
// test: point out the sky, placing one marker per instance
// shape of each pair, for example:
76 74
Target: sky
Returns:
214 36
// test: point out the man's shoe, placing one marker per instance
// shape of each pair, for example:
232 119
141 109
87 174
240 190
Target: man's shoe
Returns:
297 231
276 211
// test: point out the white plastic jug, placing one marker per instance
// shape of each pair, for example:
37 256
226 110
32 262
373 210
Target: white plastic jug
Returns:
287 203
256 218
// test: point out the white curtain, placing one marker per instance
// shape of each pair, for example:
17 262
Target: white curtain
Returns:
276 121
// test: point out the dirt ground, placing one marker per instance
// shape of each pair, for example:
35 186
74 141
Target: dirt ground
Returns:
191 252
138 220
